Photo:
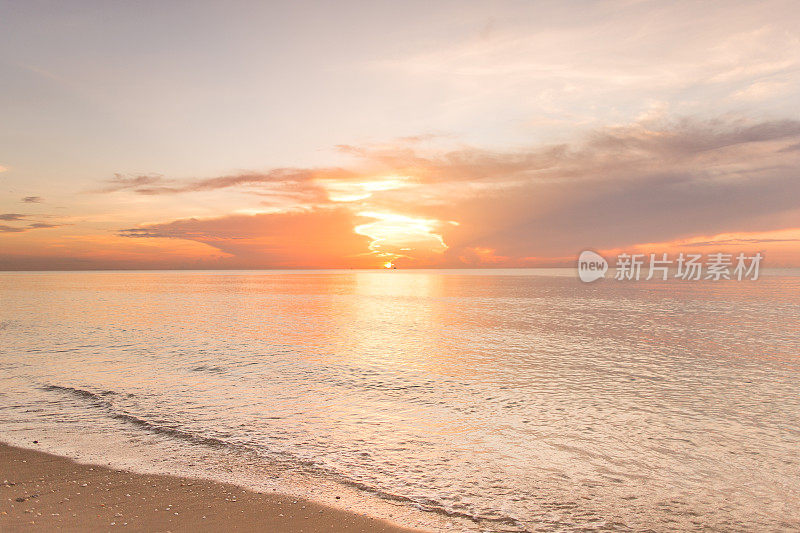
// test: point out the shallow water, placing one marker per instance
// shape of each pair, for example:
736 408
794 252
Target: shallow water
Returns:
492 400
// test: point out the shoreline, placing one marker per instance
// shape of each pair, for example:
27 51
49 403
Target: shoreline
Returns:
41 491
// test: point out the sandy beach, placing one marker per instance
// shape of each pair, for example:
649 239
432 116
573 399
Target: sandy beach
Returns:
44 492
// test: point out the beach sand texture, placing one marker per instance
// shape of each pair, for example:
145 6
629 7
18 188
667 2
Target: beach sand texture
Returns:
43 492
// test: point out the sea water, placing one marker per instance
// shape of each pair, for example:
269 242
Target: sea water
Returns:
491 400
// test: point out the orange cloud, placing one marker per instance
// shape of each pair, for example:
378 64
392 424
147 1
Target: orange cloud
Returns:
320 238
419 203
780 248
90 252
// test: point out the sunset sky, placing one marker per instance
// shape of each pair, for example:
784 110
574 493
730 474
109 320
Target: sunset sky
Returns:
431 134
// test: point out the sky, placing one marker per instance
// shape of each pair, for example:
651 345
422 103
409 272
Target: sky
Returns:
159 135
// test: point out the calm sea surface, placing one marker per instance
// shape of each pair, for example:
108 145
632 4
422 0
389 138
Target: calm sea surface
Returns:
485 400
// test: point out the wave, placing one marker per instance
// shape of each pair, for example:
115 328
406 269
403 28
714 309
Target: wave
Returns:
82 393
100 400
209 369
104 401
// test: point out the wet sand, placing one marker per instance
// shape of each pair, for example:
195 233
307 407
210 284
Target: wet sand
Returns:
43 492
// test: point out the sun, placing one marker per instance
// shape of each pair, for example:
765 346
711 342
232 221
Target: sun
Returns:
388 264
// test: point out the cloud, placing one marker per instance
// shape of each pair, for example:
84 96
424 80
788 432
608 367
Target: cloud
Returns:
42 225
779 246
33 200
318 238
624 186
108 252
618 186
11 229
608 64
141 184
13 217
791 148
292 183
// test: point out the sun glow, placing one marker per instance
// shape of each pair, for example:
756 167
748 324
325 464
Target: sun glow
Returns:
352 191
393 235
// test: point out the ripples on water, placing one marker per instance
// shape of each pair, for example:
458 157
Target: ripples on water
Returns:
506 400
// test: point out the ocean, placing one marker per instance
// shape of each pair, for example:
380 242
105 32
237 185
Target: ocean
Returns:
455 400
